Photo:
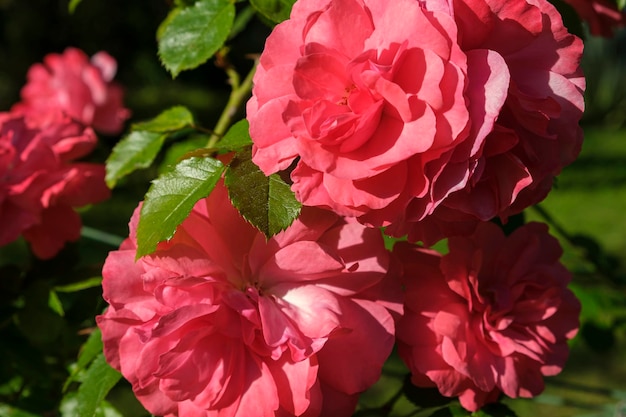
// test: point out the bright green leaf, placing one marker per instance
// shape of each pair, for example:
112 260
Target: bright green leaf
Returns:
73 4
274 10
135 151
70 405
79 286
236 138
194 34
175 118
265 202
99 379
171 197
55 304
621 4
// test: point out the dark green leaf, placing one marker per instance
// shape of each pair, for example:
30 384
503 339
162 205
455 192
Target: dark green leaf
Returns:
99 379
171 197
266 202
73 4
423 397
453 410
194 34
135 151
274 10
236 138
175 118
495 410
10 411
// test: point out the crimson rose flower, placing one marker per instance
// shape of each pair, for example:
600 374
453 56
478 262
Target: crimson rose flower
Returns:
601 15
81 88
493 315
221 322
388 110
40 184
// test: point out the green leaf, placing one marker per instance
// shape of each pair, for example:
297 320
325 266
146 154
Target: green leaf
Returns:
10 411
79 286
55 304
236 138
99 379
171 197
265 202
175 118
135 151
73 4
194 34
88 352
274 10
495 410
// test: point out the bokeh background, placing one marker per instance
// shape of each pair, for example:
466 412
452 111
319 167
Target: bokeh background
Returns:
40 338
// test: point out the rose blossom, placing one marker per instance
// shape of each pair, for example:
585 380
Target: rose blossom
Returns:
493 315
407 106
82 88
537 131
221 322
601 15
40 184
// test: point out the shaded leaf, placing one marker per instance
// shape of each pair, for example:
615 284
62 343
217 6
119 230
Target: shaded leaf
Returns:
194 34
423 397
265 202
175 118
274 10
135 151
99 379
237 137
495 410
10 411
73 5
171 198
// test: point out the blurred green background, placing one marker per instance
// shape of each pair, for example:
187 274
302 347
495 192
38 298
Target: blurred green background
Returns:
39 340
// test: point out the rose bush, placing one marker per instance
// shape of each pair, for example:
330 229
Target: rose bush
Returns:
602 16
40 184
221 321
408 106
493 315
81 88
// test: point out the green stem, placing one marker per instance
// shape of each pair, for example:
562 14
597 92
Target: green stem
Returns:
240 91
100 236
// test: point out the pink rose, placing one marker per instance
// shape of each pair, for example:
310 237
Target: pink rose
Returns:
221 322
602 16
81 88
40 185
405 107
493 315
536 133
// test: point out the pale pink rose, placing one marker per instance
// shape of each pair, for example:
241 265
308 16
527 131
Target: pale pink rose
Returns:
40 185
602 16
492 316
220 321
406 106
81 88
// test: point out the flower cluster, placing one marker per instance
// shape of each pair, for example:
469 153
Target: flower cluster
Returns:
40 140
427 117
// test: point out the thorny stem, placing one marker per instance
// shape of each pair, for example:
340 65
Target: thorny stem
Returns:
240 91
